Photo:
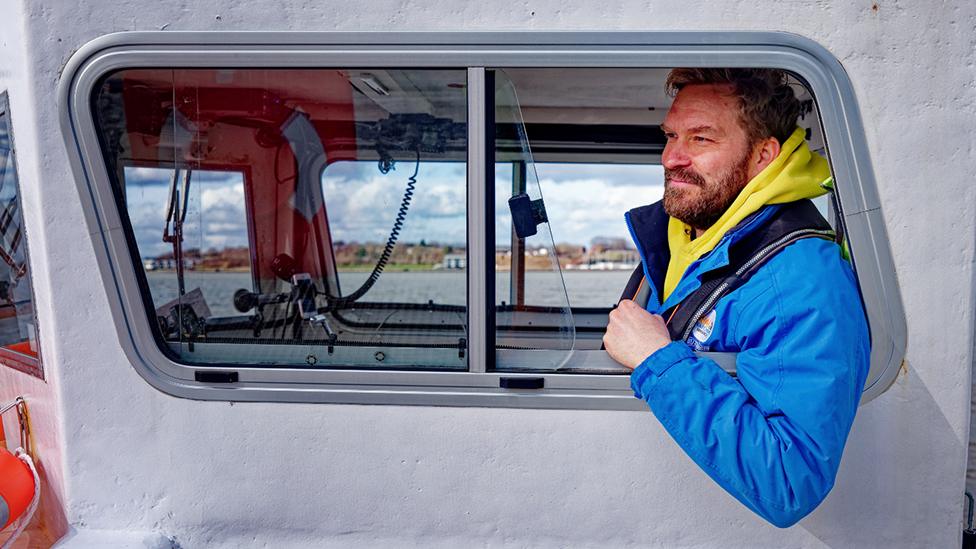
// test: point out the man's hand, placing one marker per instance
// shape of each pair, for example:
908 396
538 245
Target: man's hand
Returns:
633 334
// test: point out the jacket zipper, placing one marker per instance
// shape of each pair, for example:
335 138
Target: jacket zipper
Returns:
770 248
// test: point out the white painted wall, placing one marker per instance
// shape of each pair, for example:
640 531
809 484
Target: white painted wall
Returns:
40 394
288 475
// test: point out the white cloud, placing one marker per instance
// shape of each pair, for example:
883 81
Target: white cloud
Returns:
363 204
217 241
215 214
625 175
582 209
225 195
135 177
585 200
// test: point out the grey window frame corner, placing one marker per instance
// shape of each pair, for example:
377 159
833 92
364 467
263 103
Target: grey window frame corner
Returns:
820 71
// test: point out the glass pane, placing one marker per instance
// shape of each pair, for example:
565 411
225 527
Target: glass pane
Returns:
595 249
532 308
430 263
215 253
596 146
18 345
297 217
596 155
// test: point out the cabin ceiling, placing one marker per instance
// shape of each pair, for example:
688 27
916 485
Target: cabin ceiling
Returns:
591 96
598 112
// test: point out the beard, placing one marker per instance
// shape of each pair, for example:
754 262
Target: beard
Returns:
703 205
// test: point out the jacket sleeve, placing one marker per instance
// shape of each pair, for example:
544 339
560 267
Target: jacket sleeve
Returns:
773 437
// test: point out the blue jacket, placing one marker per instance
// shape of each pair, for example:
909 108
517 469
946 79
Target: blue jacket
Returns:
772 437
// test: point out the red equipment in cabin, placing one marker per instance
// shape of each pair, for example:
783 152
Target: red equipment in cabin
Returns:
251 121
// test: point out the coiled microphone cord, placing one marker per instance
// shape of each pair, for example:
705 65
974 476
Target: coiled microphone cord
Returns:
341 301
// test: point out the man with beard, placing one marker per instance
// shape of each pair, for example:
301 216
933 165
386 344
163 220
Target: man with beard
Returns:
737 259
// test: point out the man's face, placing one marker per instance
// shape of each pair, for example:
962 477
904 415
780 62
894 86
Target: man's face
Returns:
707 156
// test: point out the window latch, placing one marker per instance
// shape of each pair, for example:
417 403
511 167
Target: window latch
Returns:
522 382
215 377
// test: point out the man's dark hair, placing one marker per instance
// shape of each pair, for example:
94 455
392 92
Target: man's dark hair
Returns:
767 105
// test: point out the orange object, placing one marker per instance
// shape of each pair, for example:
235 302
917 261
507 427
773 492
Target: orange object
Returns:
16 487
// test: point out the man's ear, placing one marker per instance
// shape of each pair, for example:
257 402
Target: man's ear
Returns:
763 154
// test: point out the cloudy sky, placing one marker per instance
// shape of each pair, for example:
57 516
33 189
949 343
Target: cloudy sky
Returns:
215 213
582 201
588 200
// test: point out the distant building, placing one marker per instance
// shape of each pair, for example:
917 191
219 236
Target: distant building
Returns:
602 243
606 254
166 263
454 261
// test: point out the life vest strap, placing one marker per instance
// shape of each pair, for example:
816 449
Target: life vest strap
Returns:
791 222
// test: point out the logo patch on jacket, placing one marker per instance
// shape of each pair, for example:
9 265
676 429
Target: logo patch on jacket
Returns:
702 330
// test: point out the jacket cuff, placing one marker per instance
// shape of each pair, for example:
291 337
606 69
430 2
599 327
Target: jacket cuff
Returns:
658 363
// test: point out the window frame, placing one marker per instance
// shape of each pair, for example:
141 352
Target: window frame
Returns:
18 361
820 71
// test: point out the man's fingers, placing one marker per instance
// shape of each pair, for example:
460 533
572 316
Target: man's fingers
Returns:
633 334
623 310
631 312
625 314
